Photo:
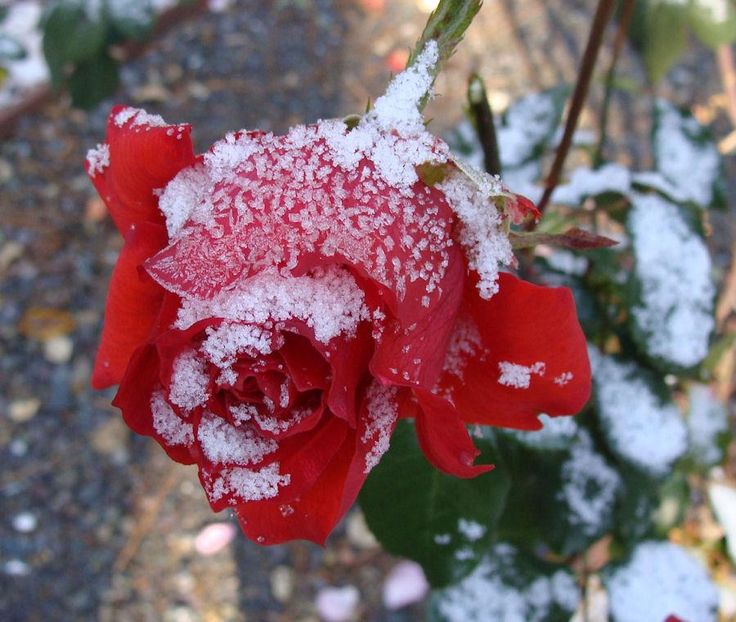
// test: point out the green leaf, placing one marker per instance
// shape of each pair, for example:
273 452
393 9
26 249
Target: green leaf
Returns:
714 23
659 31
93 80
442 522
508 585
70 37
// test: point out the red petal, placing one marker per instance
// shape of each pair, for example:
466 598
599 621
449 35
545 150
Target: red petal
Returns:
444 438
524 325
413 352
143 158
133 398
310 517
132 307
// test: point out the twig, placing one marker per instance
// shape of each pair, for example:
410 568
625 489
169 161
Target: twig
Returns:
482 113
627 12
595 39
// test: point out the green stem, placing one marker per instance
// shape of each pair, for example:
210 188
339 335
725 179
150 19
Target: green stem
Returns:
480 109
627 11
446 25
595 39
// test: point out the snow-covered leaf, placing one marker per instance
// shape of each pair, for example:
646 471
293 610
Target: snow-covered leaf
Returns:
508 585
686 156
672 313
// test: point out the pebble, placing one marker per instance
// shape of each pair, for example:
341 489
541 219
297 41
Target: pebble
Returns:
111 439
23 410
282 583
58 350
16 568
337 604
25 522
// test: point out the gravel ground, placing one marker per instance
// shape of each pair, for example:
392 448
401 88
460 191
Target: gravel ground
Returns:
95 523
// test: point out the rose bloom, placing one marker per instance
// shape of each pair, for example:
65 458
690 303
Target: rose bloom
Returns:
281 301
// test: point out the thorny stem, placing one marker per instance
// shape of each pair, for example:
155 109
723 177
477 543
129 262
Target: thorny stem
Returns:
446 25
480 109
627 12
595 39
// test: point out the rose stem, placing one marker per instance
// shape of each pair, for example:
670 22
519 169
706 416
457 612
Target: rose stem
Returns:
627 11
595 39
446 25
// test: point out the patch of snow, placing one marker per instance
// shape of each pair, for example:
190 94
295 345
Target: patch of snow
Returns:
586 182
640 429
519 376
661 579
673 267
488 594
382 411
557 433
687 161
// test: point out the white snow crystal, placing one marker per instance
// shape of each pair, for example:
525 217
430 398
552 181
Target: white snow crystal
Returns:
381 413
173 429
557 433
659 580
189 380
223 443
519 376
471 529
247 484
98 159
586 182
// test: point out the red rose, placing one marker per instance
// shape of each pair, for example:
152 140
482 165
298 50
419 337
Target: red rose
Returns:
281 300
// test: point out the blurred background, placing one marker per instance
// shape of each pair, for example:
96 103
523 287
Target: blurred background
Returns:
96 523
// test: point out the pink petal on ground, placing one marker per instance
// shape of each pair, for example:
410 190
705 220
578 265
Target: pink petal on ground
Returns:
337 604
214 538
404 585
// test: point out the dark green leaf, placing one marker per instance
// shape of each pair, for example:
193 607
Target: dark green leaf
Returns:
442 522
93 81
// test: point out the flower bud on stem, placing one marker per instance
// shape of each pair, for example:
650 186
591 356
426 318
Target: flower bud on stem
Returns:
482 115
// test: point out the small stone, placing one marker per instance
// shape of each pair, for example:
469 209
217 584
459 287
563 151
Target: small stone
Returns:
337 604
58 350
359 535
24 410
111 439
9 252
18 448
16 568
25 522
282 583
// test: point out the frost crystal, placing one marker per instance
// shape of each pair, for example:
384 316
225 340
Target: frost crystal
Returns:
519 376
660 580
482 235
98 159
223 443
168 424
646 433
189 382
246 484
381 414
673 267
